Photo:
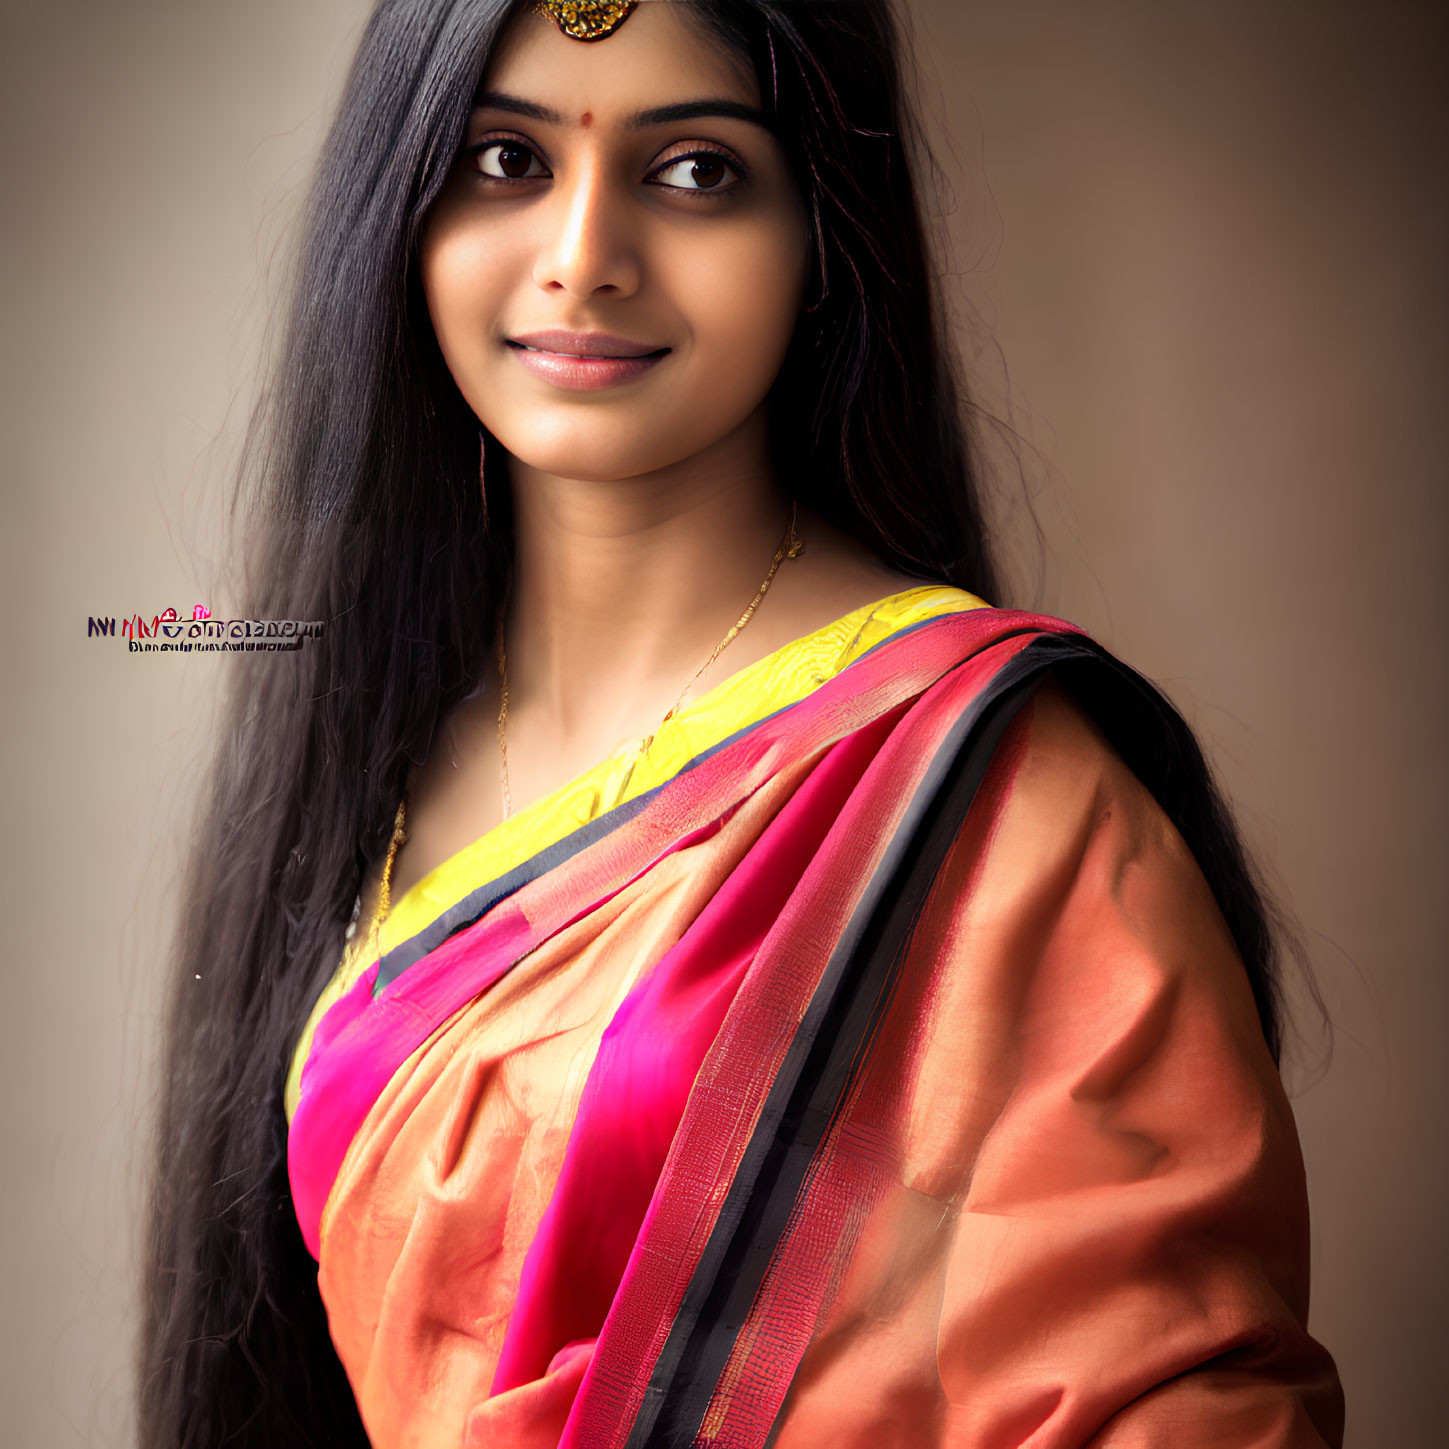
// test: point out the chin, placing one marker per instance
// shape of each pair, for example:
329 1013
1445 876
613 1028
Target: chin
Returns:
596 453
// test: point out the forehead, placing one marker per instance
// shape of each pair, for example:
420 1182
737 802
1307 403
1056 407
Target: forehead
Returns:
659 54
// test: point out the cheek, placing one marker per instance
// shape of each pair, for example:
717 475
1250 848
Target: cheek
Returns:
464 283
742 300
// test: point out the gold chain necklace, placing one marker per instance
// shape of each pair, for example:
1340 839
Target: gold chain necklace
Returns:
790 547
384 885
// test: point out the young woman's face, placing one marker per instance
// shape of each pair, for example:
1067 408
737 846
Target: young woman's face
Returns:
615 266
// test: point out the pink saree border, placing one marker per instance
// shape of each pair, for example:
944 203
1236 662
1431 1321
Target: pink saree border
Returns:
737 1074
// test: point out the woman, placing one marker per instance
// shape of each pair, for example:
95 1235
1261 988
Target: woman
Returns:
854 1023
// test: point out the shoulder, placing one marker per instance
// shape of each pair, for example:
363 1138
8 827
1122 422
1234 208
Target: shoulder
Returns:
1068 764
1068 777
1070 840
1085 729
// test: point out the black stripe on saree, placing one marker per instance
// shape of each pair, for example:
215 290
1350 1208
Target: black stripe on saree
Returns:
854 994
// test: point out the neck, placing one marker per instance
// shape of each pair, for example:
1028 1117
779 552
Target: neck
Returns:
622 588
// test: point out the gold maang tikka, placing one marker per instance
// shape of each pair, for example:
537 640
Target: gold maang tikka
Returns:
586 19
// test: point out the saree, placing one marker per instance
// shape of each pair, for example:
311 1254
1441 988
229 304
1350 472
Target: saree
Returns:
876 1067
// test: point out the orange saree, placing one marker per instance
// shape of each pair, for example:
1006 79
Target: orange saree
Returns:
884 1074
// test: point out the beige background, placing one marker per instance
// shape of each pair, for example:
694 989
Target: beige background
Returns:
1204 243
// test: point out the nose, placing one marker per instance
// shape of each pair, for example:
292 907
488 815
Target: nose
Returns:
589 250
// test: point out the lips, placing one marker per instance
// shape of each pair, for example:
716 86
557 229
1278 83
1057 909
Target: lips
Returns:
584 361
583 344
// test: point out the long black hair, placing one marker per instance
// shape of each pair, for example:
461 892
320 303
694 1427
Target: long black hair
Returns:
363 464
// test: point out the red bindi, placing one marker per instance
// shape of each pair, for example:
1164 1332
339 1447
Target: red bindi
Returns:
586 120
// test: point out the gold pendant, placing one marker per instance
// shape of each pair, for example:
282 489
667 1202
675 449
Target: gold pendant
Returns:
586 19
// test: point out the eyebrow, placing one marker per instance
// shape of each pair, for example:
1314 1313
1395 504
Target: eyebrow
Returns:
638 121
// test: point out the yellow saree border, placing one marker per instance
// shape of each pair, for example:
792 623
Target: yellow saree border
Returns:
751 694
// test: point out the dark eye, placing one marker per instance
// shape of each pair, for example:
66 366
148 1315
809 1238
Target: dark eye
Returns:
703 171
509 161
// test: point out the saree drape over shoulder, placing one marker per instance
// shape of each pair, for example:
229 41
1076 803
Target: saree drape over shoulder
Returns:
874 1067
